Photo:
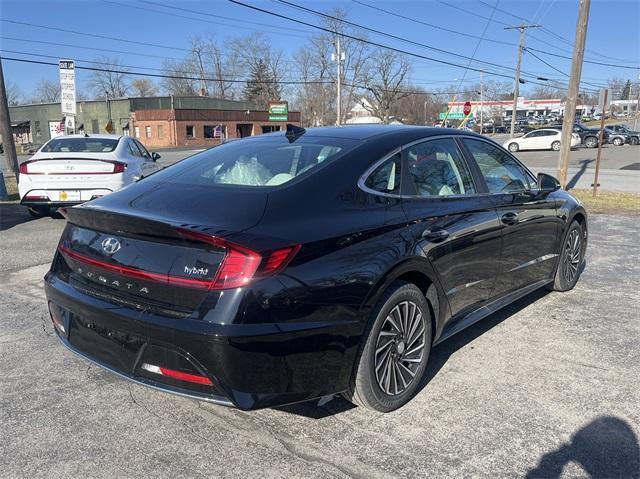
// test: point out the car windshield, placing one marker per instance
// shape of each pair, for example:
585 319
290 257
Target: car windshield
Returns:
260 162
81 145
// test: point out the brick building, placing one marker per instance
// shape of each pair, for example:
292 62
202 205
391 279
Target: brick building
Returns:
159 122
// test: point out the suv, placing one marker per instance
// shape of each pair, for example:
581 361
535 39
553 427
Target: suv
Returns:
589 136
634 136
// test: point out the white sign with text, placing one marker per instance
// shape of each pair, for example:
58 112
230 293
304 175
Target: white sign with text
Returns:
67 87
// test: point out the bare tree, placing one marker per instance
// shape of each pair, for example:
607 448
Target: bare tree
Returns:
183 81
110 80
387 84
221 69
419 107
143 87
46 92
14 94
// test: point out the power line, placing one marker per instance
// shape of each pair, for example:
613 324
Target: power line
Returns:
389 35
585 61
557 69
438 27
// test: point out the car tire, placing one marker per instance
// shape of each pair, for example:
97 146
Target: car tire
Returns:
571 260
635 140
591 142
555 146
397 341
513 147
618 141
39 211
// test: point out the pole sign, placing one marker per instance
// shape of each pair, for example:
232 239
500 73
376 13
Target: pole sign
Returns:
602 99
70 124
467 108
279 111
67 86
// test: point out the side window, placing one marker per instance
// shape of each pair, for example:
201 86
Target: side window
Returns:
386 177
143 150
501 172
133 149
437 168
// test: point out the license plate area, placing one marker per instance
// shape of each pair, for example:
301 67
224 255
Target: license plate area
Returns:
69 195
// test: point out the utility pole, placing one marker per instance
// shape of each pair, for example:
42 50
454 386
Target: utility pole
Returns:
481 105
338 57
516 89
10 159
635 118
203 85
572 93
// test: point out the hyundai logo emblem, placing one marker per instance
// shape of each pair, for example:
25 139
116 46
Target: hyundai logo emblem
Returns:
110 245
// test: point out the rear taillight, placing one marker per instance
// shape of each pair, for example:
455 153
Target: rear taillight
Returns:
35 198
241 264
23 168
118 166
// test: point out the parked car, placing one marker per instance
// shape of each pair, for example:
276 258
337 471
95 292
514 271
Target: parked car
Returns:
589 137
616 138
540 139
634 136
69 170
290 266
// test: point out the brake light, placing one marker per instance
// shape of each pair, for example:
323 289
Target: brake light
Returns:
23 168
118 166
179 375
241 264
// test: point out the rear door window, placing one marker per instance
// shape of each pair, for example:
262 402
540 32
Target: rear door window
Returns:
386 177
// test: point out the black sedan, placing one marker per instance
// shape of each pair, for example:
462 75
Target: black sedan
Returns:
288 267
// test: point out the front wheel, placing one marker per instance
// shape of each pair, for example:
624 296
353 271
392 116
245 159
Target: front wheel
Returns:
513 147
396 347
591 142
618 141
555 146
571 259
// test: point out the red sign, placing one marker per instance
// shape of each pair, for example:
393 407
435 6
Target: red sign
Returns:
467 108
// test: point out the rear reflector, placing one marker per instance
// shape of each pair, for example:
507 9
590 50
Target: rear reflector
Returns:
179 375
56 317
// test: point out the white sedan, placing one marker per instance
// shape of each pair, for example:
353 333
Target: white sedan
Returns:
540 139
68 170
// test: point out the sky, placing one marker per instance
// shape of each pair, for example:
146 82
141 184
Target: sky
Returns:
613 34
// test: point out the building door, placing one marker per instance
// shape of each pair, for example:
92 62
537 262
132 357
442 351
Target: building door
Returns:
244 129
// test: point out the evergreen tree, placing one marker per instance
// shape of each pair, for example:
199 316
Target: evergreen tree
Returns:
261 87
626 91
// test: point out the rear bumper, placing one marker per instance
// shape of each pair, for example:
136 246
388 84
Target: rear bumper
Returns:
251 366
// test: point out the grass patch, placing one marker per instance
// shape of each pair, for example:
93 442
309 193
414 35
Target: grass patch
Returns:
12 189
609 202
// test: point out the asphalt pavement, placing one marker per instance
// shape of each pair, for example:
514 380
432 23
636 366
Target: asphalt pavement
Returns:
546 388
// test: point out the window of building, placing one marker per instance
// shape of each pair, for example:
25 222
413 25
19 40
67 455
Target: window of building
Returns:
270 128
160 131
147 131
191 131
37 128
95 127
209 131
137 132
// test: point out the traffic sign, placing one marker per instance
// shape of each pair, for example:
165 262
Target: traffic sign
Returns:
67 86
467 108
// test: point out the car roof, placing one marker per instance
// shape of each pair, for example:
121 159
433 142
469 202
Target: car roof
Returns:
364 132
98 136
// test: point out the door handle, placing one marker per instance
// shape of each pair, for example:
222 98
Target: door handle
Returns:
435 236
509 218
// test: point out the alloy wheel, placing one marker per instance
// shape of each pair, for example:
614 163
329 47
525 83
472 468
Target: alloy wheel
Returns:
573 255
400 348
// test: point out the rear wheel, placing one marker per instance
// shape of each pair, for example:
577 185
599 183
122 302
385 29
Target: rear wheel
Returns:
591 142
555 146
513 147
395 351
39 211
571 259
618 141
635 140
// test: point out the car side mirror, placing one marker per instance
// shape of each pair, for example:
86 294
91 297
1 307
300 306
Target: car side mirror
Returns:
155 156
548 183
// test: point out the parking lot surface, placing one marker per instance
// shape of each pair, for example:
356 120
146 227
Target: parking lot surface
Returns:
545 388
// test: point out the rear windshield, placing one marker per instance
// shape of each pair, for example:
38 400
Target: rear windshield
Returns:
257 162
81 145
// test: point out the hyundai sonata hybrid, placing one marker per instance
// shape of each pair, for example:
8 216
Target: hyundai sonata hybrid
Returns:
72 169
297 265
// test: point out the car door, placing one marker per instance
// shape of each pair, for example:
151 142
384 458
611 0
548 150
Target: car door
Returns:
530 225
534 140
147 166
452 220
